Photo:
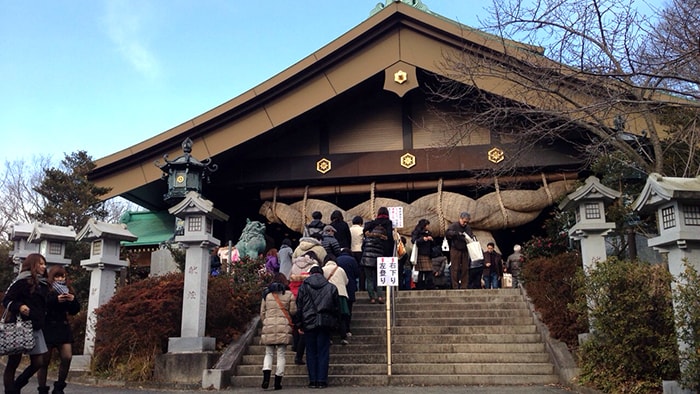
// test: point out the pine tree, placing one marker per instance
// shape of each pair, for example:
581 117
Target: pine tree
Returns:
71 199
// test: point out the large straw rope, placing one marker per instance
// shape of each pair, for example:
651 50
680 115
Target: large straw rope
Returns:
521 207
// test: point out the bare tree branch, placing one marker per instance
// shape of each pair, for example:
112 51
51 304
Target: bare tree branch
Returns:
611 80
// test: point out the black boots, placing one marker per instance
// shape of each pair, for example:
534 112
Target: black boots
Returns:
23 378
43 389
58 387
278 382
266 378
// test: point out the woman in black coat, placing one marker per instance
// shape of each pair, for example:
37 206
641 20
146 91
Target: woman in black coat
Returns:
423 240
27 296
57 331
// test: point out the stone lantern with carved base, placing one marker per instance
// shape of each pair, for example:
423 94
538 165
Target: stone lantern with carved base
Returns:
192 352
103 264
676 204
198 215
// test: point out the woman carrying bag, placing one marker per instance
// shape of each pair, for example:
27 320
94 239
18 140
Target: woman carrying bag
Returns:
27 297
423 242
276 311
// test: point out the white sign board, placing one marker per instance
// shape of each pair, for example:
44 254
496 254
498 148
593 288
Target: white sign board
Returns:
387 271
396 216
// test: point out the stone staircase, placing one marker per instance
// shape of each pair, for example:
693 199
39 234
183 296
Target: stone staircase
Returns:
439 337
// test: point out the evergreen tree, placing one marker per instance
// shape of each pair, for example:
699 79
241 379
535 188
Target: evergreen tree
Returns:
71 199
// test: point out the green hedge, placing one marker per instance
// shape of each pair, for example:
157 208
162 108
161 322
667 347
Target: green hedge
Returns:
632 345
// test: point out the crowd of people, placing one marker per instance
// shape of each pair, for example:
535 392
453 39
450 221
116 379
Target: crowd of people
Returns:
311 297
309 300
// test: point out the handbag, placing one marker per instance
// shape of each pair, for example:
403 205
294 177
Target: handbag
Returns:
400 249
445 245
16 337
475 252
414 254
474 248
507 280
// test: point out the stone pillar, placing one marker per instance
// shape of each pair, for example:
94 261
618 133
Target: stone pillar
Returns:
103 264
102 287
198 215
194 302
676 204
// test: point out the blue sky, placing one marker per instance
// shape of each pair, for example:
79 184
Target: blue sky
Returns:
102 75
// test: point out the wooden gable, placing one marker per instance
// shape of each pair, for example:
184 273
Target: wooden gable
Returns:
360 105
334 102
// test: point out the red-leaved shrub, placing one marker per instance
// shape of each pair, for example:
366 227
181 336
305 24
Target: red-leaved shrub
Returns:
551 283
134 326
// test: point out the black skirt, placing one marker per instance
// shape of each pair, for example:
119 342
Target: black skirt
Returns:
57 333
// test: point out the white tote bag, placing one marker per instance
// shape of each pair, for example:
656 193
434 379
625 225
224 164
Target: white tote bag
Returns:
474 248
414 254
475 252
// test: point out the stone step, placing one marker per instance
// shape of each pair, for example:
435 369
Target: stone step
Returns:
480 351
333 369
469 338
439 337
353 348
464 320
472 368
416 368
404 358
449 313
446 348
472 380
459 306
358 331
301 381
341 358
452 330
415 357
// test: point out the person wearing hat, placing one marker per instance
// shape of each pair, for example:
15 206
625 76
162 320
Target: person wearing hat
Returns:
329 242
463 276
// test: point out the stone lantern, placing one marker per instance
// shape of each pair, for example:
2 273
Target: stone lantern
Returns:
22 248
185 173
52 242
103 264
676 204
589 202
198 215
192 349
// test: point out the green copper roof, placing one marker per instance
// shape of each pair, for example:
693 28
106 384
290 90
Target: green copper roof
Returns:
152 228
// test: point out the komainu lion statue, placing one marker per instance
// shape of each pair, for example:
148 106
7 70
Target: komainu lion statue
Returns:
252 241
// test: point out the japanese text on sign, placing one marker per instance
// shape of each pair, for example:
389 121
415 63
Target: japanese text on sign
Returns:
396 216
387 271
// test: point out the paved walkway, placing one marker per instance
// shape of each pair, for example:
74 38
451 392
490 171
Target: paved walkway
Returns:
80 386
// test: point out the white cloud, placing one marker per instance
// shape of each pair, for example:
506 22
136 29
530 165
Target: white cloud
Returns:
126 23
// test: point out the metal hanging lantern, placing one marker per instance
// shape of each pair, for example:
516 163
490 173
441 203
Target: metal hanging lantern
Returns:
185 173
